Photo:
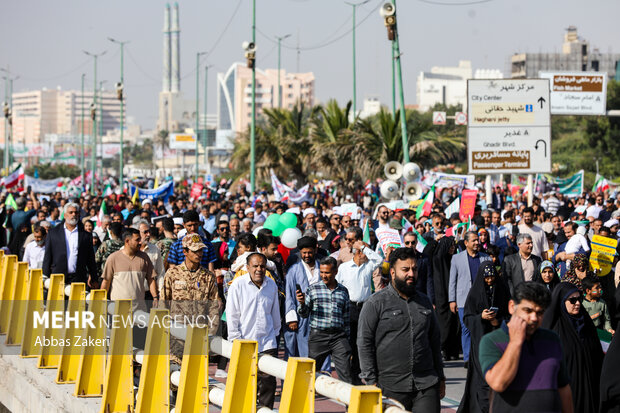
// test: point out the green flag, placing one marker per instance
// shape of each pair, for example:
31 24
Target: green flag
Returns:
10 202
366 237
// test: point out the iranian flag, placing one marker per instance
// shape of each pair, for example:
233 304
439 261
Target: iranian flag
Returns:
601 184
13 178
424 209
107 191
453 230
421 244
366 232
102 211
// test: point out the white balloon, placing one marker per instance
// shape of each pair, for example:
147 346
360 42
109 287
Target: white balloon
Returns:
255 232
289 237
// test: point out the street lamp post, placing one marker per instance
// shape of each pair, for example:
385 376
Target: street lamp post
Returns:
100 125
388 12
119 92
197 110
7 108
82 135
205 117
94 122
354 5
279 84
253 123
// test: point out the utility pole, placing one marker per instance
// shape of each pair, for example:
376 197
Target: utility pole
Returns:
119 93
94 119
279 83
388 12
82 135
354 5
7 108
253 125
197 111
205 116
100 124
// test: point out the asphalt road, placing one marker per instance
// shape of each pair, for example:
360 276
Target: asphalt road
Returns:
455 384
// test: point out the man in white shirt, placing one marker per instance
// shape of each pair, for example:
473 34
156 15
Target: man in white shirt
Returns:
595 206
253 313
35 250
356 276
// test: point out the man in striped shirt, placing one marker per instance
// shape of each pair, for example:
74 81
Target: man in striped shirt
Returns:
176 256
327 305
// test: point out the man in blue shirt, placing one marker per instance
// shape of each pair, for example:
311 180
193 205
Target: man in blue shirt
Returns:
327 305
176 256
463 271
20 216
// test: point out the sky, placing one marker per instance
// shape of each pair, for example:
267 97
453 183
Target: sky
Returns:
42 41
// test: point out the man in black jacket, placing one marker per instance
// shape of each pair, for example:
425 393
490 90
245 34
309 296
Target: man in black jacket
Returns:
69 250
399 321
522 266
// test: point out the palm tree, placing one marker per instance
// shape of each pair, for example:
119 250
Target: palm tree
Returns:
281 144
333 141
379 141
162 139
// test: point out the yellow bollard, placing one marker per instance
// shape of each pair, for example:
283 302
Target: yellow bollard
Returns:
70 354
154 388
52 337
118 385
240 393
35 305
91 368
298 387
6 290
193 393
17 315
365 399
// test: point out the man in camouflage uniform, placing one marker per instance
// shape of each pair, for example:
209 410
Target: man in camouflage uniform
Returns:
169 238
190 290
109 246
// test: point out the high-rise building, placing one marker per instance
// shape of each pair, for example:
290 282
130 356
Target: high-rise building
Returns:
234 94
576 56
54 111
448 85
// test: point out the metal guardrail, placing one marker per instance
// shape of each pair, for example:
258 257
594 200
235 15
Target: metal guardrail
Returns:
110 375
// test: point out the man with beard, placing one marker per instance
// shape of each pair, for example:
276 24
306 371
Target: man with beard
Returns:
539 238
398 340
522 363
300 276
69 250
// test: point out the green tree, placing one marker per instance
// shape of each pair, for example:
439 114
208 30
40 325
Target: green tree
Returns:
332 141
281 142
49 171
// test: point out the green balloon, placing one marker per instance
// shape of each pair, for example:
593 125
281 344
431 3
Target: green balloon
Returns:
278 230
288 220
272 222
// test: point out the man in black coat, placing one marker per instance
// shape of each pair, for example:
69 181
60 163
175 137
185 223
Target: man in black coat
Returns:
69 250
521 266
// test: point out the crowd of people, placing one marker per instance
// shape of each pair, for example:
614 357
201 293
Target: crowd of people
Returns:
509 290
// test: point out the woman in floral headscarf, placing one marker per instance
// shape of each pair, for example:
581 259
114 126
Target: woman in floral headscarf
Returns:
579 269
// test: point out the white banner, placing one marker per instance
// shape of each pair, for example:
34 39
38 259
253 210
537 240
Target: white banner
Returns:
108 150
42 186
41 150
183 141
